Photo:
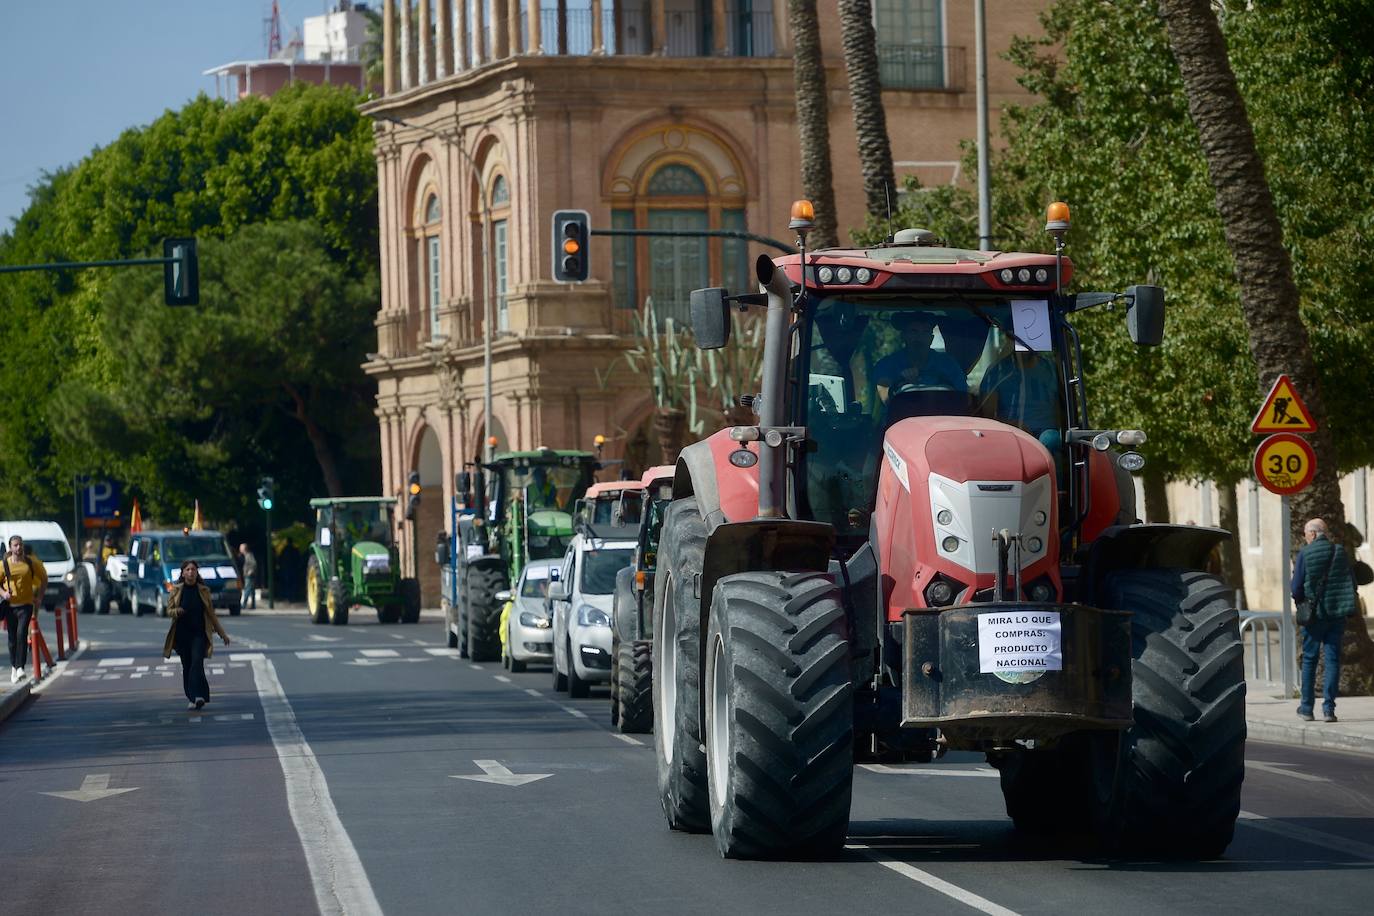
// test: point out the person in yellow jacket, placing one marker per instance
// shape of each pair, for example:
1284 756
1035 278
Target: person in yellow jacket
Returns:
21 590
192 632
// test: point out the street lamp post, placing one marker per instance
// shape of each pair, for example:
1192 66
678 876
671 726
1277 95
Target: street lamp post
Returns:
487 315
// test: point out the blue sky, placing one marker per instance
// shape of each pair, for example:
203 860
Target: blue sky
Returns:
74 74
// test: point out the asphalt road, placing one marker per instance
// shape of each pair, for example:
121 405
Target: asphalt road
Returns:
322 777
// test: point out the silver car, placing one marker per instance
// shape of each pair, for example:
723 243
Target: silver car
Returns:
582 612
526 630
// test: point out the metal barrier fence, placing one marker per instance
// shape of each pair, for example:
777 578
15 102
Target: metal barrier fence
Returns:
1261 640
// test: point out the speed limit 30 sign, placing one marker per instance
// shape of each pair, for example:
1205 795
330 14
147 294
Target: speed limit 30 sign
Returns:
1285 464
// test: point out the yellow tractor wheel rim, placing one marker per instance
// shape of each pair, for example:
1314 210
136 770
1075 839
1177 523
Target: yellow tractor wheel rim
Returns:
312 590
333 607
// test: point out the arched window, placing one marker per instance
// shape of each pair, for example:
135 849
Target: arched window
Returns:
677 196
500 221
431 262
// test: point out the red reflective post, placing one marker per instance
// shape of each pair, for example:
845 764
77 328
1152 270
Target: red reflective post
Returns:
60 610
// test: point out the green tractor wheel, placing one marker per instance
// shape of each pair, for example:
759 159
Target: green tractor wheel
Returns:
389 613
410 600
314 592
336 602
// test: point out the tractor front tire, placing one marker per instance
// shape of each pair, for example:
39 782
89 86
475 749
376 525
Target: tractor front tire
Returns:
1045 789
779 723
676 656
634 687
484 614
1180 766
316 601
388 613
336 603
102 598
410 601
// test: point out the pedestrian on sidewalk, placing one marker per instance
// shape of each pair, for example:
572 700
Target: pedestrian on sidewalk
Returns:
250 577
193 629
1322 577
22 589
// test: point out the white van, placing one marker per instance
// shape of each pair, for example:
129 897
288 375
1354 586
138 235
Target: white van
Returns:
581 598
46 541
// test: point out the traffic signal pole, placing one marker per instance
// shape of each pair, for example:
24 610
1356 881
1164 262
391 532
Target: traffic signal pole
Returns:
270 591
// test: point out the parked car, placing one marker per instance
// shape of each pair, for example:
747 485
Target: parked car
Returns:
526 628
155 559
581 603
48 542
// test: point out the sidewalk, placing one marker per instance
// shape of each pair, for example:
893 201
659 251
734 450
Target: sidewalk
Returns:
1270 717
12 696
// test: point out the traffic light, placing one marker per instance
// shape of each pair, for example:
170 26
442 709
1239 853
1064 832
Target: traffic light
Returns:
413 488
265 487
181 273
571 233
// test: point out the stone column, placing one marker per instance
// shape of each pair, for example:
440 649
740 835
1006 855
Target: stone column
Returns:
513 28
480 28
462 54
444 53
598 39
426 44
721 30
407 80
389 47
660 28
536 36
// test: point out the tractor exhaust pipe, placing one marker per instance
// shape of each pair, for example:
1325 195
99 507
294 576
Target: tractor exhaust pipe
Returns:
773 458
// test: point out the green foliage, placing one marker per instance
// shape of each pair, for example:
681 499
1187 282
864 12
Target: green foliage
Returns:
208 170
1110 134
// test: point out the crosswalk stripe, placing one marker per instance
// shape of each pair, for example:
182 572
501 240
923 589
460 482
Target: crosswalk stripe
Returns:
445 653
247 657
110 662
319 653
379 653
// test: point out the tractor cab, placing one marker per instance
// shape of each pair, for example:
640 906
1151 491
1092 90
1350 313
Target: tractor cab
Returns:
531 500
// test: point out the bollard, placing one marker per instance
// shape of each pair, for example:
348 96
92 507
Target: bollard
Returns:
71 622
37 647
60 611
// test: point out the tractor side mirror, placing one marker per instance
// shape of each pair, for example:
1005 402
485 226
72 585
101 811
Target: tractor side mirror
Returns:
710 318
441 550
464 487
1145 315
503 595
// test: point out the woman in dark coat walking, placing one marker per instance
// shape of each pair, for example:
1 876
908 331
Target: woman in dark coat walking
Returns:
194 626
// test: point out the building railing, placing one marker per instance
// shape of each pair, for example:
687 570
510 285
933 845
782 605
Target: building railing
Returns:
1260 641
937 67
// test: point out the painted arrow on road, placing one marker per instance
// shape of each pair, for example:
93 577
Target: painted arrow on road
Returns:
93 788
501 776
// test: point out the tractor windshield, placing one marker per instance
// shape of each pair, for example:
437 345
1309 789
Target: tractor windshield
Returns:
875 360
548 486
364 523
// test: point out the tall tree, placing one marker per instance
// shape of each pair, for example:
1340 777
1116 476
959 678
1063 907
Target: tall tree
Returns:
866 100
1263 268
813 119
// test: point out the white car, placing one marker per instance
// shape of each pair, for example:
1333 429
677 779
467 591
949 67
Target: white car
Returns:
526 630
48 542
581 601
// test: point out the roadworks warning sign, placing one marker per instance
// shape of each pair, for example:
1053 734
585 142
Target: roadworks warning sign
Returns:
1019 641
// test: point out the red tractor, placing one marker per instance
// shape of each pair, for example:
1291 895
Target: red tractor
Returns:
924 545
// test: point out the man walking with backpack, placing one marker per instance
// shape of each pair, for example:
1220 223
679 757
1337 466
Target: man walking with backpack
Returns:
21 589
1323 579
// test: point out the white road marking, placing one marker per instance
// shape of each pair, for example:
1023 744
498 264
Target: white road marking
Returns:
501 775
1281 769
628 739
477 668
235 717
573 712
378 653
532 692
320 653
374 662
443 652
247 657
396 636
419 642
1307 835
503 679
968 898
341 884
110 662
324 638
93 787
986 772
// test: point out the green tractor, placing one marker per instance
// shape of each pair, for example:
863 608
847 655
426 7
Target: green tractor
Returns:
353 561
523 511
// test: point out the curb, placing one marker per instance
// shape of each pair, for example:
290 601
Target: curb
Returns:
14 698
1309 737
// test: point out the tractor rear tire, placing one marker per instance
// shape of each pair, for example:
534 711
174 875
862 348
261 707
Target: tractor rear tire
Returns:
388 614
1180 766
1045 789
779 723
410 601
315 598
336 603
634 687
676 658
484 614
102 598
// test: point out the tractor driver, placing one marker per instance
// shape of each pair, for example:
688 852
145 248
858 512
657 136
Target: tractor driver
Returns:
916 363
542 489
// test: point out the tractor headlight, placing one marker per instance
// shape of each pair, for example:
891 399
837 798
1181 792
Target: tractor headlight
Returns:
950 544
1042 591
588 616
1041 275
825 274
531 619
863 275
1035 545
1039 517
944 516
1131 461
1007 275
844 274
1024 275
940 593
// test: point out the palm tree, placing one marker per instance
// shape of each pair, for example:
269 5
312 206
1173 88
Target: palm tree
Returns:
1264 272
813 119
866 98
